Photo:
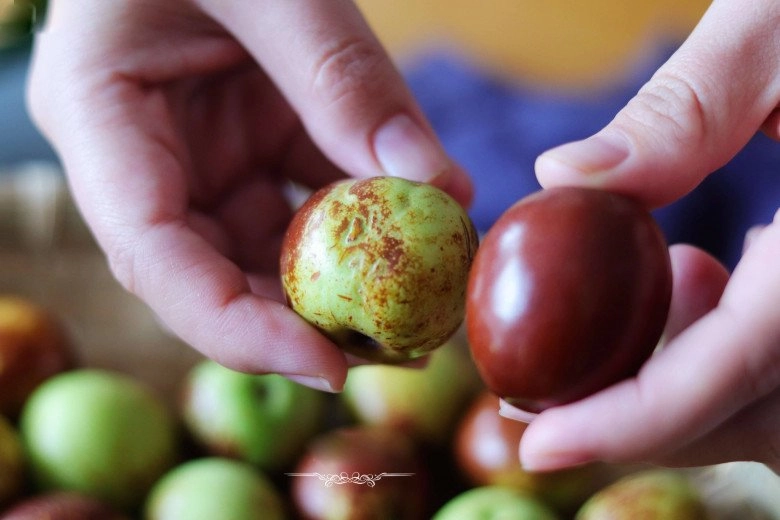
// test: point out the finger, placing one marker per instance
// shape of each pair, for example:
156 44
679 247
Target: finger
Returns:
349 95
203 297
695 113
749 435
255 216
771 126
698 283
124 166
719 365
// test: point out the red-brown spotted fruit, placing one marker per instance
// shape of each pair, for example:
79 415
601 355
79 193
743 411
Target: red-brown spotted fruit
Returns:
568 294
380 266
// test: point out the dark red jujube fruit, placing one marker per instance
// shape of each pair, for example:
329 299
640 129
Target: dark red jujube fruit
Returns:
568 294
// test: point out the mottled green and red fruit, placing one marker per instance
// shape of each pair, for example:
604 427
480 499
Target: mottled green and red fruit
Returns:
653 494
380 266
568 294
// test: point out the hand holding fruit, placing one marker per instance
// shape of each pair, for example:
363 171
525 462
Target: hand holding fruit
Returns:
713 393
180 129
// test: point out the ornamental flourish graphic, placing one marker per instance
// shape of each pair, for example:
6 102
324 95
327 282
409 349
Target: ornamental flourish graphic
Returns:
368 479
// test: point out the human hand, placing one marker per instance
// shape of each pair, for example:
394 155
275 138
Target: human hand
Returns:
179 125
712 394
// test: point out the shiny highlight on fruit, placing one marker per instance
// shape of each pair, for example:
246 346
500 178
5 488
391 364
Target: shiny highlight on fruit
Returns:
568 294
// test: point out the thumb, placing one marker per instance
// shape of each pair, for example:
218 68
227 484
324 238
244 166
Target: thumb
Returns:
693 116
344 87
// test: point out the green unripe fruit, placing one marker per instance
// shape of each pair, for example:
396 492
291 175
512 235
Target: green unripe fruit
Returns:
99 433
210 488
380 266
494 502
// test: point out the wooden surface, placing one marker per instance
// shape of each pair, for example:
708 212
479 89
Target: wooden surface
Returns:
563 42
48 256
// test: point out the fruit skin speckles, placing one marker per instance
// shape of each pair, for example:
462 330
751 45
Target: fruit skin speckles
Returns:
380 266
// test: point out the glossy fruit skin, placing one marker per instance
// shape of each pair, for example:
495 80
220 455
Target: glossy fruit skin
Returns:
360 473
380 266
568 294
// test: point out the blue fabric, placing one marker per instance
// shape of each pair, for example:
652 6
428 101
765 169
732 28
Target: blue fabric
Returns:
496 129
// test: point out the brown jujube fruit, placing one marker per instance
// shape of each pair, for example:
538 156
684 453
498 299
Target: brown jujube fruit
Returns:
34 345
568 294
486 451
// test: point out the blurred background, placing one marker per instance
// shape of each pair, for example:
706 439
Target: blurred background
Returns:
501 83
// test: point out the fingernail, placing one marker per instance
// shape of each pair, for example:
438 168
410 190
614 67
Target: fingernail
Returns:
508 411
546 449
595 154
404 150
315 382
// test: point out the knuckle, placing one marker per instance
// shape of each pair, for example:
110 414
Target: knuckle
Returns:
353 67
672 106
121 261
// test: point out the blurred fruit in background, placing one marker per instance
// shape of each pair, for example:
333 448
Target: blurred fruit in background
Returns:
653 494
360 472
486 451
214 488
494 502
262 419
34 345
100 433
12 463
18 19
426 403
63 505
